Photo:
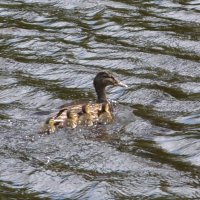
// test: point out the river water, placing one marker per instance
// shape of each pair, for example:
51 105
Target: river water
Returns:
50 51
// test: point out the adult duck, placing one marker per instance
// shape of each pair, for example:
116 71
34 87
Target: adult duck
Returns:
101 81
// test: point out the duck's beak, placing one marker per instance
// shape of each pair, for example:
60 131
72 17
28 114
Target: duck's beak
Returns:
121 84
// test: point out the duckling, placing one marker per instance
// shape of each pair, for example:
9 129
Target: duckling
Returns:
101 81
72 119
105 116
48 127
52 128
86 116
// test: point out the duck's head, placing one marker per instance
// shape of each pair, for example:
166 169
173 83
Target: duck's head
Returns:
102 80
51 122
86 109
71 115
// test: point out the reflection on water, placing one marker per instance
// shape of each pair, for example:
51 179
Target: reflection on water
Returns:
50 53
190 120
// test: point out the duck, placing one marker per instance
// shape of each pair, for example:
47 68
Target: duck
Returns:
105 116
72 120
86 117
88 111
48 127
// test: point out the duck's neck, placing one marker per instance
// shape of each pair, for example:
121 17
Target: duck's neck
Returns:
101 95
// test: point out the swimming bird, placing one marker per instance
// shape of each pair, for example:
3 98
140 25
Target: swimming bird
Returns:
86 117
101 81
48 127
105 116
72 119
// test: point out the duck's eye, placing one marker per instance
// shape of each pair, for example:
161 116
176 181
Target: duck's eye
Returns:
111 78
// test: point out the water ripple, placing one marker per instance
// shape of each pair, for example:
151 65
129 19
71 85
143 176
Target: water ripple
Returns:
50 53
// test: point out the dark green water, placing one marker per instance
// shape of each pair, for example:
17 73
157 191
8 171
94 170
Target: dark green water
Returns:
49 53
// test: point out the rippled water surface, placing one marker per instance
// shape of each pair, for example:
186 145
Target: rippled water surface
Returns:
50 51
